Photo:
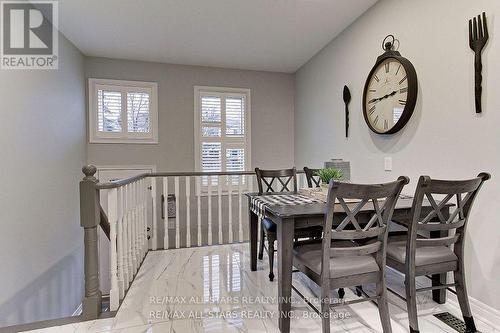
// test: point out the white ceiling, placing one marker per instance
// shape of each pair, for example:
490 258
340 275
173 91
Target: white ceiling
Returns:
271 35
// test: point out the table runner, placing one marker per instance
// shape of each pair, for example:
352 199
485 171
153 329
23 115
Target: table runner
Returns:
258 203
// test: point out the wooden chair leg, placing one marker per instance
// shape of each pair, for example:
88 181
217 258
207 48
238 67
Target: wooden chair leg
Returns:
463 300
341 292
383 307
270 247
262 240
325 307
411 302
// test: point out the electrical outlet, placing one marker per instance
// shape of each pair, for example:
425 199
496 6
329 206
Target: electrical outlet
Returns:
388 163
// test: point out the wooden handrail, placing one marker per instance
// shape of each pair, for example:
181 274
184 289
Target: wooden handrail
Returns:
126 181
104 223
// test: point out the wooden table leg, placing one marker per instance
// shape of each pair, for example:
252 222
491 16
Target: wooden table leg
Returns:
253 229
285 262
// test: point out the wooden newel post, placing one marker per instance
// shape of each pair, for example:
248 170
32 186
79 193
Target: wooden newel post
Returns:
89 220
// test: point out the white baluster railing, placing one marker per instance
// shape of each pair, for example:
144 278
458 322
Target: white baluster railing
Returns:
127 215
204 215
214 215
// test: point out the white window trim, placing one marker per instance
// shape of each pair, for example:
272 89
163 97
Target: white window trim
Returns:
197 122
123 137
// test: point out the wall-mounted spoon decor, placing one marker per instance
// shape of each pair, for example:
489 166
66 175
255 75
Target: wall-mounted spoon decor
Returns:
347 99
478 36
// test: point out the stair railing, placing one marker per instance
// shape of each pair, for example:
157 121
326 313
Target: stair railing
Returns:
207 208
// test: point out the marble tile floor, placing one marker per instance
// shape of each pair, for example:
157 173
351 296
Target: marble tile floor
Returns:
211 289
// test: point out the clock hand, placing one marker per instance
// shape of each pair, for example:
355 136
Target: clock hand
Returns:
381 98
389 95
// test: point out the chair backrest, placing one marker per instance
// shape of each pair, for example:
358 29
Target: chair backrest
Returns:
357 224
311 177
276 180
449 213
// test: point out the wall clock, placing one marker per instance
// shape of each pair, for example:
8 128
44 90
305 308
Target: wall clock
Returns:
390 91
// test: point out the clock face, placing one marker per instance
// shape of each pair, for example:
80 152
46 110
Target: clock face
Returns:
386 95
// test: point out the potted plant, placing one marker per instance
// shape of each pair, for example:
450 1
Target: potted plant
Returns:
325 175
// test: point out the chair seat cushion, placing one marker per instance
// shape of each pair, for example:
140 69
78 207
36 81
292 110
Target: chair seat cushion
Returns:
424 255
269 225
310 256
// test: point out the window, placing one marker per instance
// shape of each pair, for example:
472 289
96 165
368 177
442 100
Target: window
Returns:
222 130
123 111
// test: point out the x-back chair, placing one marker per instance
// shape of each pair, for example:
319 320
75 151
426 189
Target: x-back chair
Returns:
348 257
314 181
415 255
276 181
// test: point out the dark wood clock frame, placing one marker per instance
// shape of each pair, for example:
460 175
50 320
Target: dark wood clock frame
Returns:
411 77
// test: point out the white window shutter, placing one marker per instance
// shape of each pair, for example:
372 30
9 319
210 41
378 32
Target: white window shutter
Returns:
138 112
109 110
222 130
235 117
123 111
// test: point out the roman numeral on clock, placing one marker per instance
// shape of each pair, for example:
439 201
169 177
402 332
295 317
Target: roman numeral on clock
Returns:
376 78
402 102
372 109
398 70
375 121
387 67
386 124
403 90
402 80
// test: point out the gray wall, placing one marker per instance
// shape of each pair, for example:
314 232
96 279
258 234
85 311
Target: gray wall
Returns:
444 138
42 141
272 113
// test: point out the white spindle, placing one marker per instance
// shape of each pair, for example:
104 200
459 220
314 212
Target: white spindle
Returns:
120 242
129 251
177 217
209 199
219 195
144 219
165 212
139 222
154 240
230 208
188 211
304 181
114 294
134 229
198 202
250 183
240 211
138 213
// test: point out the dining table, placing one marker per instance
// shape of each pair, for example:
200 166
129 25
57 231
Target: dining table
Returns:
293 212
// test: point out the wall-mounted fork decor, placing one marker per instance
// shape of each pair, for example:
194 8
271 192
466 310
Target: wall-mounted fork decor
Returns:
478 36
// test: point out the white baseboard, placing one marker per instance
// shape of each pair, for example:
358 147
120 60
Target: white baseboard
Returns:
480 311
78 311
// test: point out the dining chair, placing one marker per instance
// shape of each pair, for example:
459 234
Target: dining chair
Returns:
311 177
314 181
277 181
347 257
414 254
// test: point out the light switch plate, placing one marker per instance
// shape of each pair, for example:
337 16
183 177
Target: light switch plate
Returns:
388 163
